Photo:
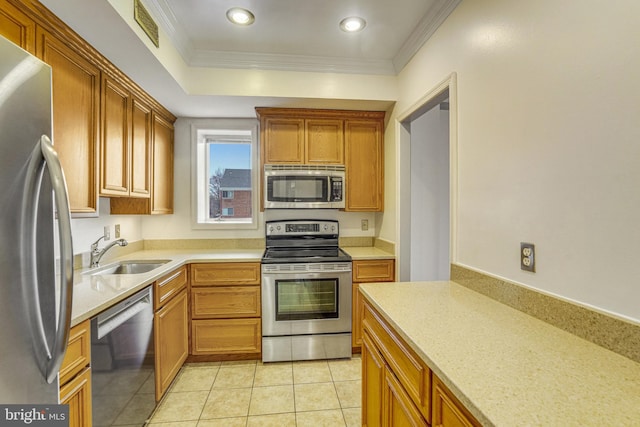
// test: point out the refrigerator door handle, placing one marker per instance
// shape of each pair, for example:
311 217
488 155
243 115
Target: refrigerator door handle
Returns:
44 154
61 201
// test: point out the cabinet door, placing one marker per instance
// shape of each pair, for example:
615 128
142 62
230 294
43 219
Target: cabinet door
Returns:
114 143
162 193
76 104
357 306
399 410
373 369
77 394
447 411
140 171
17 27
283 140
324 141
364 165
171 334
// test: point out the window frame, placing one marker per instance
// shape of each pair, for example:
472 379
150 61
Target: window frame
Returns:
229 130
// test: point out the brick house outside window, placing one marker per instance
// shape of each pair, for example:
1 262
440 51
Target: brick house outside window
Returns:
235 188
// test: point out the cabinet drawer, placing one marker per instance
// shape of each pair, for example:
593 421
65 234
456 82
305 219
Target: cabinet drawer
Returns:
225 302
222 337
78 353
225 274
412 374
169 285
381 270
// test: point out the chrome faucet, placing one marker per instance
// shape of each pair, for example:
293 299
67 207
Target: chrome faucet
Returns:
96 253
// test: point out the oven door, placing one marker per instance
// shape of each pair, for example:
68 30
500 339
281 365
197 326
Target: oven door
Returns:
303 299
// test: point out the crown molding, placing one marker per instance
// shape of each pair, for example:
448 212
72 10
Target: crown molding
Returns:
283 62
428 25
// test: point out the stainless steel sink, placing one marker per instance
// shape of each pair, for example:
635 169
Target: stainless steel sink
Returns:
129 267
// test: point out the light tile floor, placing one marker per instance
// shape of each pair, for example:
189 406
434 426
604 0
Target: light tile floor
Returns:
252 394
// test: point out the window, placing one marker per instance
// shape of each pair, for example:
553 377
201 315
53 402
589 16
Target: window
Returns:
225 178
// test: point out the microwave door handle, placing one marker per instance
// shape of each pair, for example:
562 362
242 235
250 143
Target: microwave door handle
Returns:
330 189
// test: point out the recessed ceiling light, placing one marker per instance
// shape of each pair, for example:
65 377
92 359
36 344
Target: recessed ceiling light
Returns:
240 16
352 24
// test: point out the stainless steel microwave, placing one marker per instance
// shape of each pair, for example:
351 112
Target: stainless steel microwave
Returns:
304 187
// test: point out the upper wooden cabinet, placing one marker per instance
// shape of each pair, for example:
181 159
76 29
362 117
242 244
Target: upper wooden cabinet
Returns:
364 165
345 137
125 145
114 142
141 156
103 122
161 200
300 140
17 26
76 106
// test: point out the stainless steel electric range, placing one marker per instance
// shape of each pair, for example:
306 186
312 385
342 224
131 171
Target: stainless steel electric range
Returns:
306 292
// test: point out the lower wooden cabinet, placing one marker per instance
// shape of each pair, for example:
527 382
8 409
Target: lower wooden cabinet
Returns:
398 388
374 270
225 311
447 410
75 375
226 337
171 331
171 327
77 394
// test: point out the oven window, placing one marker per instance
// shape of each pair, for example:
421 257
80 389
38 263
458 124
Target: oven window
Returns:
301 299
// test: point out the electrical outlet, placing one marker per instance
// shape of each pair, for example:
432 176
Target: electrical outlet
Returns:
527 257
107 233
117 231
364 224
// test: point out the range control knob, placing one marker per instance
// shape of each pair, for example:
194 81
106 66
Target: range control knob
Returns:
271 228
279 228
333 228
326 227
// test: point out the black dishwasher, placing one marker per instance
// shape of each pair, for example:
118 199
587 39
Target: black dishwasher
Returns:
122 362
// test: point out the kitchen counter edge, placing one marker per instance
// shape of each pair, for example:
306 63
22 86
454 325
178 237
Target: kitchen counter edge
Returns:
93 294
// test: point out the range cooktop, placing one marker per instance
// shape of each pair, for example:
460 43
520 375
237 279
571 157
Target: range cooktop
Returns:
303 241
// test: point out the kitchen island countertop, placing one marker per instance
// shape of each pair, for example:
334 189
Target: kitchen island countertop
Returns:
95 293
506 367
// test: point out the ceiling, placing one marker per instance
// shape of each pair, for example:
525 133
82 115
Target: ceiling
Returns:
301 35
287 35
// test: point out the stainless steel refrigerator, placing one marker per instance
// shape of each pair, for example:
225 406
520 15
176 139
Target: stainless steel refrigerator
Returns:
36 255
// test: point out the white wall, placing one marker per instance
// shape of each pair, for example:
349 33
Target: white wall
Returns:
429 231
548 147
85 231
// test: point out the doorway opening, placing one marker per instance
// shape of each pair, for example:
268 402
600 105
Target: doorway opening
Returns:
427 165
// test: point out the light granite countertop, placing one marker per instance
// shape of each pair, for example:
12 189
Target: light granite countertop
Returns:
95 293
367 252
508 368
